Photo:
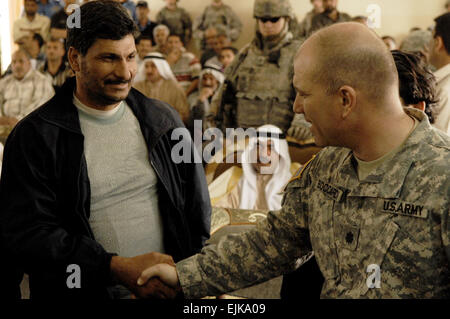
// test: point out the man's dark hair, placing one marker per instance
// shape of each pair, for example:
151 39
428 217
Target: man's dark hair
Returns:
100 20
142 37
39 39
233 49
442 29
416 81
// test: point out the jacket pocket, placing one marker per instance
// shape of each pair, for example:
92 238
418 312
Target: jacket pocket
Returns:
378 251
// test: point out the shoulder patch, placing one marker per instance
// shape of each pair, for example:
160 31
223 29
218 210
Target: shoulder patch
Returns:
299 173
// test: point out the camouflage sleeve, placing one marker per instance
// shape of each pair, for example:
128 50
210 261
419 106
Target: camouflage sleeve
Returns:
187 21
159 17
235 25
241 260
446 231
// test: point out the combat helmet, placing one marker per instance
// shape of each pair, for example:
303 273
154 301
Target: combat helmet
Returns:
272 8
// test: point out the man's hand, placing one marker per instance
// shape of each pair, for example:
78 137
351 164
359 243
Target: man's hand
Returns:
205 93
174 56
166 273
127 270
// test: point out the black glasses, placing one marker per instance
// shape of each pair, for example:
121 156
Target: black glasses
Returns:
273 20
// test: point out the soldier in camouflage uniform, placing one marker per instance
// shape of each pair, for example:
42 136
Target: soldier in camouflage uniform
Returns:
217 14
382 235
258 88
177 20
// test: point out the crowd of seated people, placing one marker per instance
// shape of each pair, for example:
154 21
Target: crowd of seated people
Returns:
42 25
219 84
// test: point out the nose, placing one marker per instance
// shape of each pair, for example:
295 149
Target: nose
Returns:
124 70
298 105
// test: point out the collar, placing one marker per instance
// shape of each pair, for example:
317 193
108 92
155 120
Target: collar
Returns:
442 72
378 183
61 68
154 120
26 76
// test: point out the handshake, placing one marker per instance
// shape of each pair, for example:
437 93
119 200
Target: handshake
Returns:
151 275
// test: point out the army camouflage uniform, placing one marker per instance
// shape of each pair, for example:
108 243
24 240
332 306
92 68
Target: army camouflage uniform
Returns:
322 20
213 17
258 89
397 218
178 21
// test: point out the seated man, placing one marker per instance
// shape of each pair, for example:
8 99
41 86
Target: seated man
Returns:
160 34
222 41
144 46
30 23
160 83
55 66
33 46
227 55
185 65
211 78
266 169
23 90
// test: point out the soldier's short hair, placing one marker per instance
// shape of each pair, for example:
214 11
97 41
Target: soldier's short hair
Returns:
100 20
442 29
369 67
416 82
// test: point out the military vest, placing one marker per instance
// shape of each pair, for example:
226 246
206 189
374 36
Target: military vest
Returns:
264 91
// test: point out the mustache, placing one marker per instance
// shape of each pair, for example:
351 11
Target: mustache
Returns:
117 81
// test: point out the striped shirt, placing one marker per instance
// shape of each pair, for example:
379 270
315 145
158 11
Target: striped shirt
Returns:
18 98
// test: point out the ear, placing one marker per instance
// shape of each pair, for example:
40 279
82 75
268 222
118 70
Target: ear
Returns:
420 106
347 100
74 58
438 43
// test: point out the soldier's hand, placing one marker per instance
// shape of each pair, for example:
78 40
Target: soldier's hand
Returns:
299 132
127 270
164 272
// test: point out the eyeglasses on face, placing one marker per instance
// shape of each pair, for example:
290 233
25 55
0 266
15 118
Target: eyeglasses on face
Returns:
273 20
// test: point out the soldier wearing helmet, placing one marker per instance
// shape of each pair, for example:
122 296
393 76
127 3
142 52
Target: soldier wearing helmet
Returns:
258 88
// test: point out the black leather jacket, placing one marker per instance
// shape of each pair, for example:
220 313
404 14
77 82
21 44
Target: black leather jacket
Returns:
45 197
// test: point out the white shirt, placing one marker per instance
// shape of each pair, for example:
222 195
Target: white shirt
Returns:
24 27
442 108
20 97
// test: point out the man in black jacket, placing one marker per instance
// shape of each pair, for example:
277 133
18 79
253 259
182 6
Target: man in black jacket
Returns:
89 183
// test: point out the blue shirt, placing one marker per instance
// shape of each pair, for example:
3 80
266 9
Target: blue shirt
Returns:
50 8
130 6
